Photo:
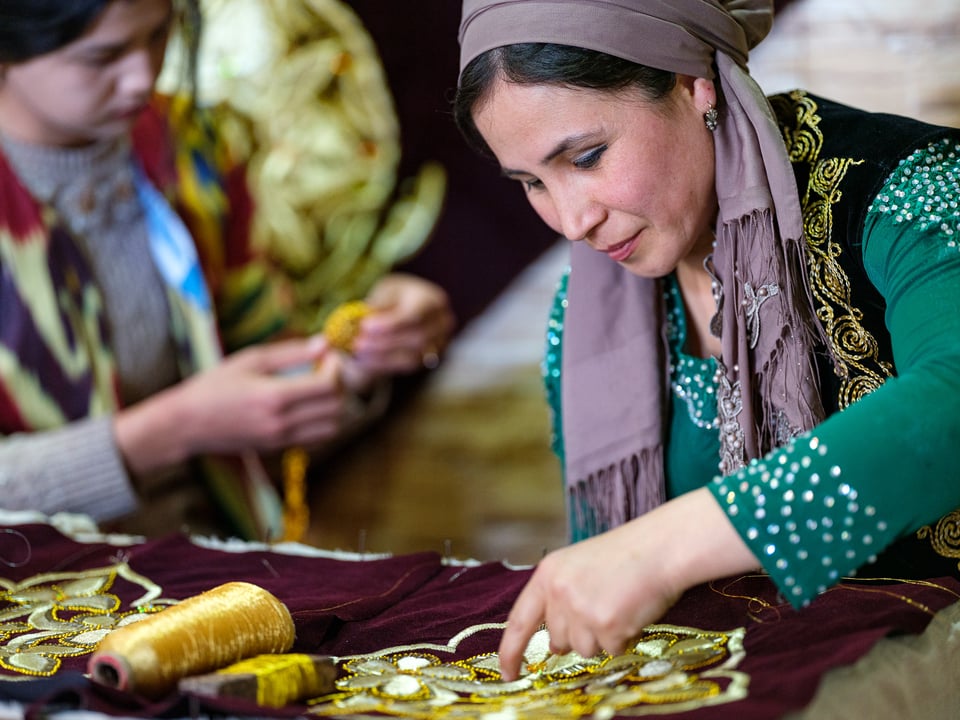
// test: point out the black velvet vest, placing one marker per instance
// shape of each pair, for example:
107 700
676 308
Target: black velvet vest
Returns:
841 157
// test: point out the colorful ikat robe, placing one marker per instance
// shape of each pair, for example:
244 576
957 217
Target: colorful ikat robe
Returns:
56 361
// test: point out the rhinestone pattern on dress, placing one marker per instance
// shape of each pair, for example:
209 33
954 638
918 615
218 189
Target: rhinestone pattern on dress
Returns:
550 367
923 190
806 523
808 527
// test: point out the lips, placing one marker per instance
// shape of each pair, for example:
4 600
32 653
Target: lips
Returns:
622 250
130 113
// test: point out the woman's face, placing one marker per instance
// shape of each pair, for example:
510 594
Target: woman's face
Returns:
633 179
94 87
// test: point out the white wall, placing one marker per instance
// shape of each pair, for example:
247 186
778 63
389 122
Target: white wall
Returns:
898 56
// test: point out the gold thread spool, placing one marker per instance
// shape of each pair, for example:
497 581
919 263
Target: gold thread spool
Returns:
340 328
224 625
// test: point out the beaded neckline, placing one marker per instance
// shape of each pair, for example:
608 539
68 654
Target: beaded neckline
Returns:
692 379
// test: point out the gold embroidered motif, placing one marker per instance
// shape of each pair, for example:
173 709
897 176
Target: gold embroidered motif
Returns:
945 536
57 615
668 669
856 352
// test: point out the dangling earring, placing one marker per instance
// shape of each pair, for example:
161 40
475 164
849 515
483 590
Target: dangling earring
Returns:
710 118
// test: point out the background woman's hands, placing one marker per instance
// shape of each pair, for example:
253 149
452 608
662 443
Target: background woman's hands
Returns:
265 397
291 392
598 594
409 327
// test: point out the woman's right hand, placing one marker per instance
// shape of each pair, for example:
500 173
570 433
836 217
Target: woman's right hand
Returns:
598 594
265 397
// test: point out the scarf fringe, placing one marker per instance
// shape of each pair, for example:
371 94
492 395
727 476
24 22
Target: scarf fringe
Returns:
612 495
781 380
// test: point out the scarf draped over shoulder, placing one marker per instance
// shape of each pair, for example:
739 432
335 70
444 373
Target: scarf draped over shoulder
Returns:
614 363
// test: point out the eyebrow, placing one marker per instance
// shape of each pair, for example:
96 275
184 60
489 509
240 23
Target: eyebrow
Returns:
120 47
558 149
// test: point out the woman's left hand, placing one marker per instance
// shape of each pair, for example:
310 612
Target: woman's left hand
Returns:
408 329
599 594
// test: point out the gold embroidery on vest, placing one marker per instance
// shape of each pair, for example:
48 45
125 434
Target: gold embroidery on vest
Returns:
945 536
856 352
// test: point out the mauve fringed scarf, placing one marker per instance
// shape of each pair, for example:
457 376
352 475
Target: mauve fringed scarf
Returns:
614 362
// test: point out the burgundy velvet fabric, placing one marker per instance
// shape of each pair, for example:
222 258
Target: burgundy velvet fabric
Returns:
354 607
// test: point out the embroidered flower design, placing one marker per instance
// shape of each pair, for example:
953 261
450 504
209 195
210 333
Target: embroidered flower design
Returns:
49 617
752 300
668 665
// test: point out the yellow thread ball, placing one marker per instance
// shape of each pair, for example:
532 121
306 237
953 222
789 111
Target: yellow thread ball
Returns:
343 324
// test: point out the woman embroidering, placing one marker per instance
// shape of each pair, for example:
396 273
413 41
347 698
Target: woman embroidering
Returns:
754 354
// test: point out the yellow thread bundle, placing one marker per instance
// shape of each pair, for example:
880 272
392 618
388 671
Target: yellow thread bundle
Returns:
343 324
281 678
340 328
270 680
206 632
296 512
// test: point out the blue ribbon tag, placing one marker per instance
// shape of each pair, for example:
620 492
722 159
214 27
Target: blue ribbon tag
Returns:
171 245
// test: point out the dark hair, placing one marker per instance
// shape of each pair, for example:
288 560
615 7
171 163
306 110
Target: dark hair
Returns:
29 28
35 27
549 64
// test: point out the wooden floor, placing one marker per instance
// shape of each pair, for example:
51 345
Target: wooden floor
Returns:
464 467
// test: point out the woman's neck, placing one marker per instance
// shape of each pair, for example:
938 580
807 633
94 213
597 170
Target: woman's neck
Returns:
696 289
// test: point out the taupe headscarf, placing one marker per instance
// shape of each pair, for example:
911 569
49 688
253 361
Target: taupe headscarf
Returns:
614 365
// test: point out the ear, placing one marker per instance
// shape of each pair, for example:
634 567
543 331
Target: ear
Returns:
704 94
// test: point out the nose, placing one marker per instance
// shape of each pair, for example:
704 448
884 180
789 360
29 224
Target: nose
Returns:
139 73
578 215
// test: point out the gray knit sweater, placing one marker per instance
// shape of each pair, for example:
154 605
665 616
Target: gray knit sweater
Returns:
78 468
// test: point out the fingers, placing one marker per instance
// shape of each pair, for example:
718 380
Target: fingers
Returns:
284 356
409 329
401 359
417 326
522 623
393 344
582 641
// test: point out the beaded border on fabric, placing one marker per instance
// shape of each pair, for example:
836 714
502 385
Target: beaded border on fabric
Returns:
693 380
50 616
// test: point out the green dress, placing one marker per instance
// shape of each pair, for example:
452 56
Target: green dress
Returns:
823 505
